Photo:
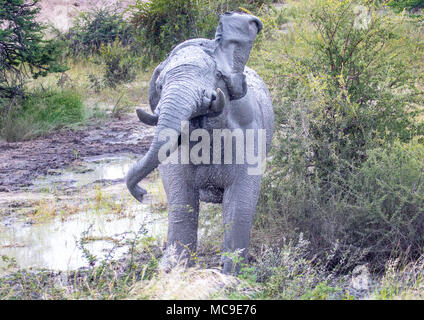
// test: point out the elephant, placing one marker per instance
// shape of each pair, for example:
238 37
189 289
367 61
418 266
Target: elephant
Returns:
206 84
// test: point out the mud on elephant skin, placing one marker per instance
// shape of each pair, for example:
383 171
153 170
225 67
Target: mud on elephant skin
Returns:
206 84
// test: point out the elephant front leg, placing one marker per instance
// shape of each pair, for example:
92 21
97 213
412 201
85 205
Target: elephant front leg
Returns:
182 233
183 213
239 205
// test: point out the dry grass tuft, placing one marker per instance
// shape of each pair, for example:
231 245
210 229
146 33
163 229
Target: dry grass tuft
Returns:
180 284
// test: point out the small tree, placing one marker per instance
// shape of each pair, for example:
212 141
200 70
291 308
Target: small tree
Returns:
23 50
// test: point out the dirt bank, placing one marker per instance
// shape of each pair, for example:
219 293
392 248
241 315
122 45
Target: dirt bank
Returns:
61 13
21 162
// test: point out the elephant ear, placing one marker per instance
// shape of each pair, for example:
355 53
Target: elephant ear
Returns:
154 92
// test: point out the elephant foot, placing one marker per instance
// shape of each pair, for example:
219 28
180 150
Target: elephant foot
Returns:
229 267
232 263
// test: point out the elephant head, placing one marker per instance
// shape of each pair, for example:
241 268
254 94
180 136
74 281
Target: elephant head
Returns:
184 86
234 39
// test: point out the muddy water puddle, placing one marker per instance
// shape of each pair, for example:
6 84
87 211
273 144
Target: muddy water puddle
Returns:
106 217
55 244
106 168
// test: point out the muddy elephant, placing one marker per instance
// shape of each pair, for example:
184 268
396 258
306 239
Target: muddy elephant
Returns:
204 88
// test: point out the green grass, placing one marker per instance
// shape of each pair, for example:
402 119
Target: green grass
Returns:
53 108
41 112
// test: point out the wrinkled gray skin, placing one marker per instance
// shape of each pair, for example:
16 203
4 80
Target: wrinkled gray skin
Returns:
207 83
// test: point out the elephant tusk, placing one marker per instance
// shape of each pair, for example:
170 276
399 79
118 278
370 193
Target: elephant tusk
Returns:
146 118
218 101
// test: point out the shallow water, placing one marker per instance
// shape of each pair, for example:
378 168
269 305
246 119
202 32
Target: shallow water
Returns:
92 169
54 244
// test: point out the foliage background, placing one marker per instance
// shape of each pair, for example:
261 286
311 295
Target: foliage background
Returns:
344 186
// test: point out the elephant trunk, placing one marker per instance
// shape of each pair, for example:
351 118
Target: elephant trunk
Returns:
178 103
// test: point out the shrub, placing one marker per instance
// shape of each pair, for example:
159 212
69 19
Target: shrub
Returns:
120 66
97 27
389 191
400 5
288 273
345 87
375 213
162 24
364 88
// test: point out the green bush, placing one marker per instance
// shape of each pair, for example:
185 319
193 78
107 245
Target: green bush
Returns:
389 190
375 213
162 24
289 273
365 91
345 85
119 63
400 5
97 27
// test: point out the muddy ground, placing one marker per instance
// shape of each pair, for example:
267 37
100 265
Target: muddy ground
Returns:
21 162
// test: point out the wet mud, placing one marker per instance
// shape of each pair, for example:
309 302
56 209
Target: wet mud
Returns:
22 162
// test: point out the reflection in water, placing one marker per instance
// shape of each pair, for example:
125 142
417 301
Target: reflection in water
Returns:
93 169
54 245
